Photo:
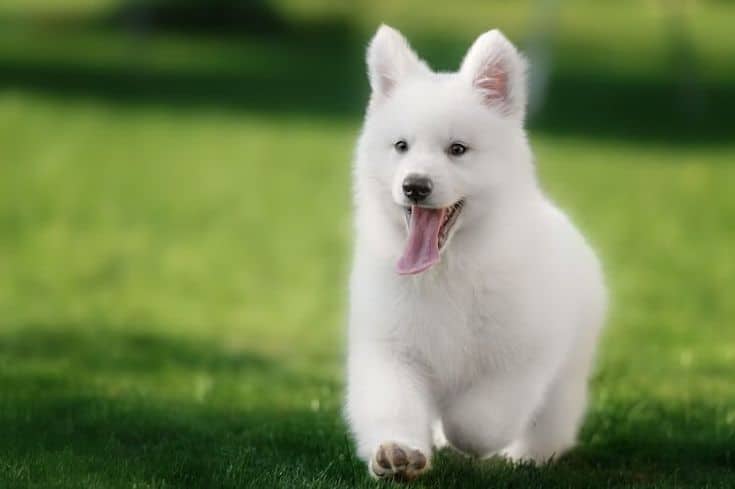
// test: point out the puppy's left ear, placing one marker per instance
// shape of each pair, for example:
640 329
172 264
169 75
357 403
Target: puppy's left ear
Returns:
497 70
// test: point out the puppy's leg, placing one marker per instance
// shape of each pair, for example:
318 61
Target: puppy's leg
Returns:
390 413
553 429
440 440
491 414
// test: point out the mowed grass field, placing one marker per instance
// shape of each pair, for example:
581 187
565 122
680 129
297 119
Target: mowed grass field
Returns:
175 237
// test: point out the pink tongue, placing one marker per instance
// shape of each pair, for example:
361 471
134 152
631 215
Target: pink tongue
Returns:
422 247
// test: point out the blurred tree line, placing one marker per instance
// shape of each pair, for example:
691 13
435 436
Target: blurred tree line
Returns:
205 16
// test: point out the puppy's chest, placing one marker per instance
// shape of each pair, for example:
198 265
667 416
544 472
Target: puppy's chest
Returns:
454 332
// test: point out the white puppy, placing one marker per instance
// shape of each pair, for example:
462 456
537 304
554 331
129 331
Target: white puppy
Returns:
475 303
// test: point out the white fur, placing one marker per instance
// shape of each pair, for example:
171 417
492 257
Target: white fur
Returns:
494 343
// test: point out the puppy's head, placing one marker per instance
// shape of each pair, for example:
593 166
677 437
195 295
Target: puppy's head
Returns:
438 148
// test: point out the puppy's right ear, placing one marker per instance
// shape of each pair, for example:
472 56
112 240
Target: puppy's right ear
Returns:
390 59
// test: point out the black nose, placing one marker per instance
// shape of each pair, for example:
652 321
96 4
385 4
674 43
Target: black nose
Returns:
417 188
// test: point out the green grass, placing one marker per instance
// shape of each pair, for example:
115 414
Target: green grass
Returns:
175 230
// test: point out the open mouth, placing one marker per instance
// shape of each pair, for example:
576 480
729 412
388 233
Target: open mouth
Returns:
428 231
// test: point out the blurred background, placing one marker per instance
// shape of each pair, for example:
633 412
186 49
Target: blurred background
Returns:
175 233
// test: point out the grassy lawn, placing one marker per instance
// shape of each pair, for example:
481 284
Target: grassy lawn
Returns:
175 230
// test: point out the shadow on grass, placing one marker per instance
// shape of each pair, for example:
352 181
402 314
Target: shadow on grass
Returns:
314 71
131 352
302 92
69 439
60 429
86 409
191 446
83 351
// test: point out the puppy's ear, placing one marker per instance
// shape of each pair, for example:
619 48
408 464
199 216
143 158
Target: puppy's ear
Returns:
496 68
390 59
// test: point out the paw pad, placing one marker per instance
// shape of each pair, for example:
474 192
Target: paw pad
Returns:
398 462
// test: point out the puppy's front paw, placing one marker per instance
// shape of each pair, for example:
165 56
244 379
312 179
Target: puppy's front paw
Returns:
398 462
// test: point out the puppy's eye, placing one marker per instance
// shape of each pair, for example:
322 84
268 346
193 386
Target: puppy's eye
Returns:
401 146
457 149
